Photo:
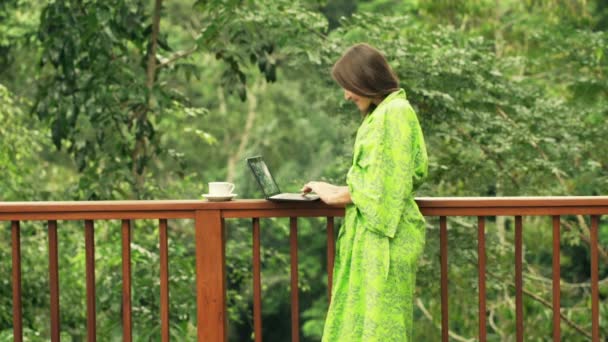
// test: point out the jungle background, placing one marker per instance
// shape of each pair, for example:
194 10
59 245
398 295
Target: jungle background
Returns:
133 99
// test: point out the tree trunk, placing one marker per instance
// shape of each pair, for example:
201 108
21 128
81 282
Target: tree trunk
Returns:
140 152
251 114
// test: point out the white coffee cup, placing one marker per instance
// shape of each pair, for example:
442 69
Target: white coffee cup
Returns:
220 188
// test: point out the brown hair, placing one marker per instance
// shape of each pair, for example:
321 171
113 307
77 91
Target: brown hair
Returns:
364 71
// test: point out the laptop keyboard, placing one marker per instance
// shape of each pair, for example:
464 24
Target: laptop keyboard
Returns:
294 196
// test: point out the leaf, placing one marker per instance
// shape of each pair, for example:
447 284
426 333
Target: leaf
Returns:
163 43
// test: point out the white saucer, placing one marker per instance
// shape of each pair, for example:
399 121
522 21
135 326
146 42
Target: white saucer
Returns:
219 198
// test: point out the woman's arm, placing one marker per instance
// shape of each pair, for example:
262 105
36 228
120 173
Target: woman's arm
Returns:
330 194
341 196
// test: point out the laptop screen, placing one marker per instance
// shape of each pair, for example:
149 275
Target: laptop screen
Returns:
263 176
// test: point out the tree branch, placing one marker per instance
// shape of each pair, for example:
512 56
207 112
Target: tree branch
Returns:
585 229
492 321
151 70
487 153
585 236
141 145
176 56
428 316
545 303
550 306
564 284
251 114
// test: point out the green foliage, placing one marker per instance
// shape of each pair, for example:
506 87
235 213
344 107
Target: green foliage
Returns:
258 33
23 141
93 90
19 48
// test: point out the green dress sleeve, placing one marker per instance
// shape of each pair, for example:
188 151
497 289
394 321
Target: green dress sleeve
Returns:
389 163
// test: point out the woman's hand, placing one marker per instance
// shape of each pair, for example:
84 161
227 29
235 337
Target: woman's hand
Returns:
330 194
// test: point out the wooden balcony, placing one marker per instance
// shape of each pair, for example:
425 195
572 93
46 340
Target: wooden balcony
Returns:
209 235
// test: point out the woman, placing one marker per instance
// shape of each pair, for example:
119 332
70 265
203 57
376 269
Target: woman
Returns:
383 233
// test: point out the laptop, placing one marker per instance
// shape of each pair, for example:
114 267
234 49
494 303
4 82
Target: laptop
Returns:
269 186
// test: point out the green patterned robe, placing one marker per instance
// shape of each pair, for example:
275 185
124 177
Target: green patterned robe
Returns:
383 233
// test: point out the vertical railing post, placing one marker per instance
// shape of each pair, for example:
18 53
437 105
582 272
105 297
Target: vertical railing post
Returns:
519 281
16 256
257 282
481 271
127 332
556 280
443 251
331 251
210 276
595 297
54 280
295 306
89 237
163 238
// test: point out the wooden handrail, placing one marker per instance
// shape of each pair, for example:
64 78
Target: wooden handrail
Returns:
210 250
426 204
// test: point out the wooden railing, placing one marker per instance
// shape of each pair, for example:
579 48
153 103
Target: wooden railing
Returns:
210 257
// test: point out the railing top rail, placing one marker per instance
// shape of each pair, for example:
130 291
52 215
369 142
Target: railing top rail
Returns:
153 205
517 202
260 204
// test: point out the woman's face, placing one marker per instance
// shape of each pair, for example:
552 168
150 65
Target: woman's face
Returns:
362 102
